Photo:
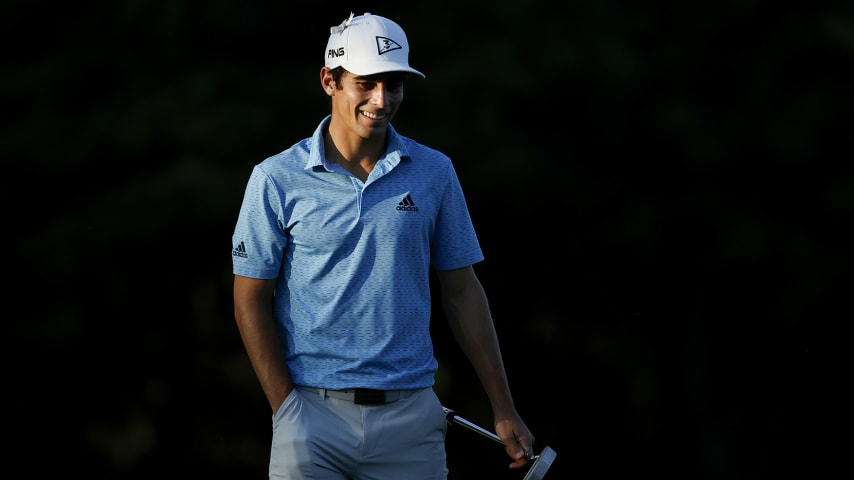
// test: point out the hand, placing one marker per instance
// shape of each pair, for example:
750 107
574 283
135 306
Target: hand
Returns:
518 440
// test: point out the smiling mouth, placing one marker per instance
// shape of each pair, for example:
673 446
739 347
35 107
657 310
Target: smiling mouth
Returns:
373 116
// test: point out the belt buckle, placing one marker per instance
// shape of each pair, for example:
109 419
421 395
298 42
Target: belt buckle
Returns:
368 396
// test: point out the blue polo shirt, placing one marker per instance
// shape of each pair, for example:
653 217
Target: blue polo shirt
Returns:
353 259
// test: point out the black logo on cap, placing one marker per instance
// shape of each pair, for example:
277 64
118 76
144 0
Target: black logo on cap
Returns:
385 45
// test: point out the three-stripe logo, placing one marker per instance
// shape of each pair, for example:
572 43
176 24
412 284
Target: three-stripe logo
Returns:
407 205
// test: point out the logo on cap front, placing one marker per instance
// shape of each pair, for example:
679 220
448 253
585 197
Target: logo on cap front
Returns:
385 45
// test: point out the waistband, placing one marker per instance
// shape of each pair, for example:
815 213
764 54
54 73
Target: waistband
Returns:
362 396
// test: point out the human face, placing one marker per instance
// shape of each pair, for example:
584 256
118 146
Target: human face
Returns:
366 104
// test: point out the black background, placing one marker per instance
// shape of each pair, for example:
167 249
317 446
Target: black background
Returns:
663 191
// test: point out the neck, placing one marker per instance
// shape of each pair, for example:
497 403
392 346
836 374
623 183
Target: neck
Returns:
357 157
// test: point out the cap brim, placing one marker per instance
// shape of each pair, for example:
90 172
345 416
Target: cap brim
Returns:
373 70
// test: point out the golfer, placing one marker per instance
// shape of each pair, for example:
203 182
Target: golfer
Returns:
333 248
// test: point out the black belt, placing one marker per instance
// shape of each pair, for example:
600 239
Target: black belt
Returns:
362 396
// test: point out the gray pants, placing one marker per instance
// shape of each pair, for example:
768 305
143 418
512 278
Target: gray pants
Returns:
324 438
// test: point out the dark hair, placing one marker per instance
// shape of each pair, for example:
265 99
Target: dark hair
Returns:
337 73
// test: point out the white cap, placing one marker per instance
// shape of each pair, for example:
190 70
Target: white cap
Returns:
369 44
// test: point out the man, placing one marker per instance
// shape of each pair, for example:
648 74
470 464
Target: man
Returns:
333 247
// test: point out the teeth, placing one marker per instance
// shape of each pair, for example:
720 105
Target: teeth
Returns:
372 116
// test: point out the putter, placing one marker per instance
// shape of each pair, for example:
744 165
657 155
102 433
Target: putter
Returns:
542 462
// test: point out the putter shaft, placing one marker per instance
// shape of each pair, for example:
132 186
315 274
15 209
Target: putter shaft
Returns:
540 463
453 417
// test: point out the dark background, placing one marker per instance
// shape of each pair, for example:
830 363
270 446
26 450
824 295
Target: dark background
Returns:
663 191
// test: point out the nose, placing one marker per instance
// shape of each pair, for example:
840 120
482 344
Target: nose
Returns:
379 95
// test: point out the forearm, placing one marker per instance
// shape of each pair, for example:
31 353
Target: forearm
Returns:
265 354
253 311
471 322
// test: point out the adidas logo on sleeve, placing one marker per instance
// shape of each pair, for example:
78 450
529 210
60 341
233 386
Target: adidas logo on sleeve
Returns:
239 251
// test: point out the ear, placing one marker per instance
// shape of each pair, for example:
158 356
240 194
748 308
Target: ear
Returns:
326 81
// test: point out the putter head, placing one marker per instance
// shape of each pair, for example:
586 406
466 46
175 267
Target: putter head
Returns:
541 465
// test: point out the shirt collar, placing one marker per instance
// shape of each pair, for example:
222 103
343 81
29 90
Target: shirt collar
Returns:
395 152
